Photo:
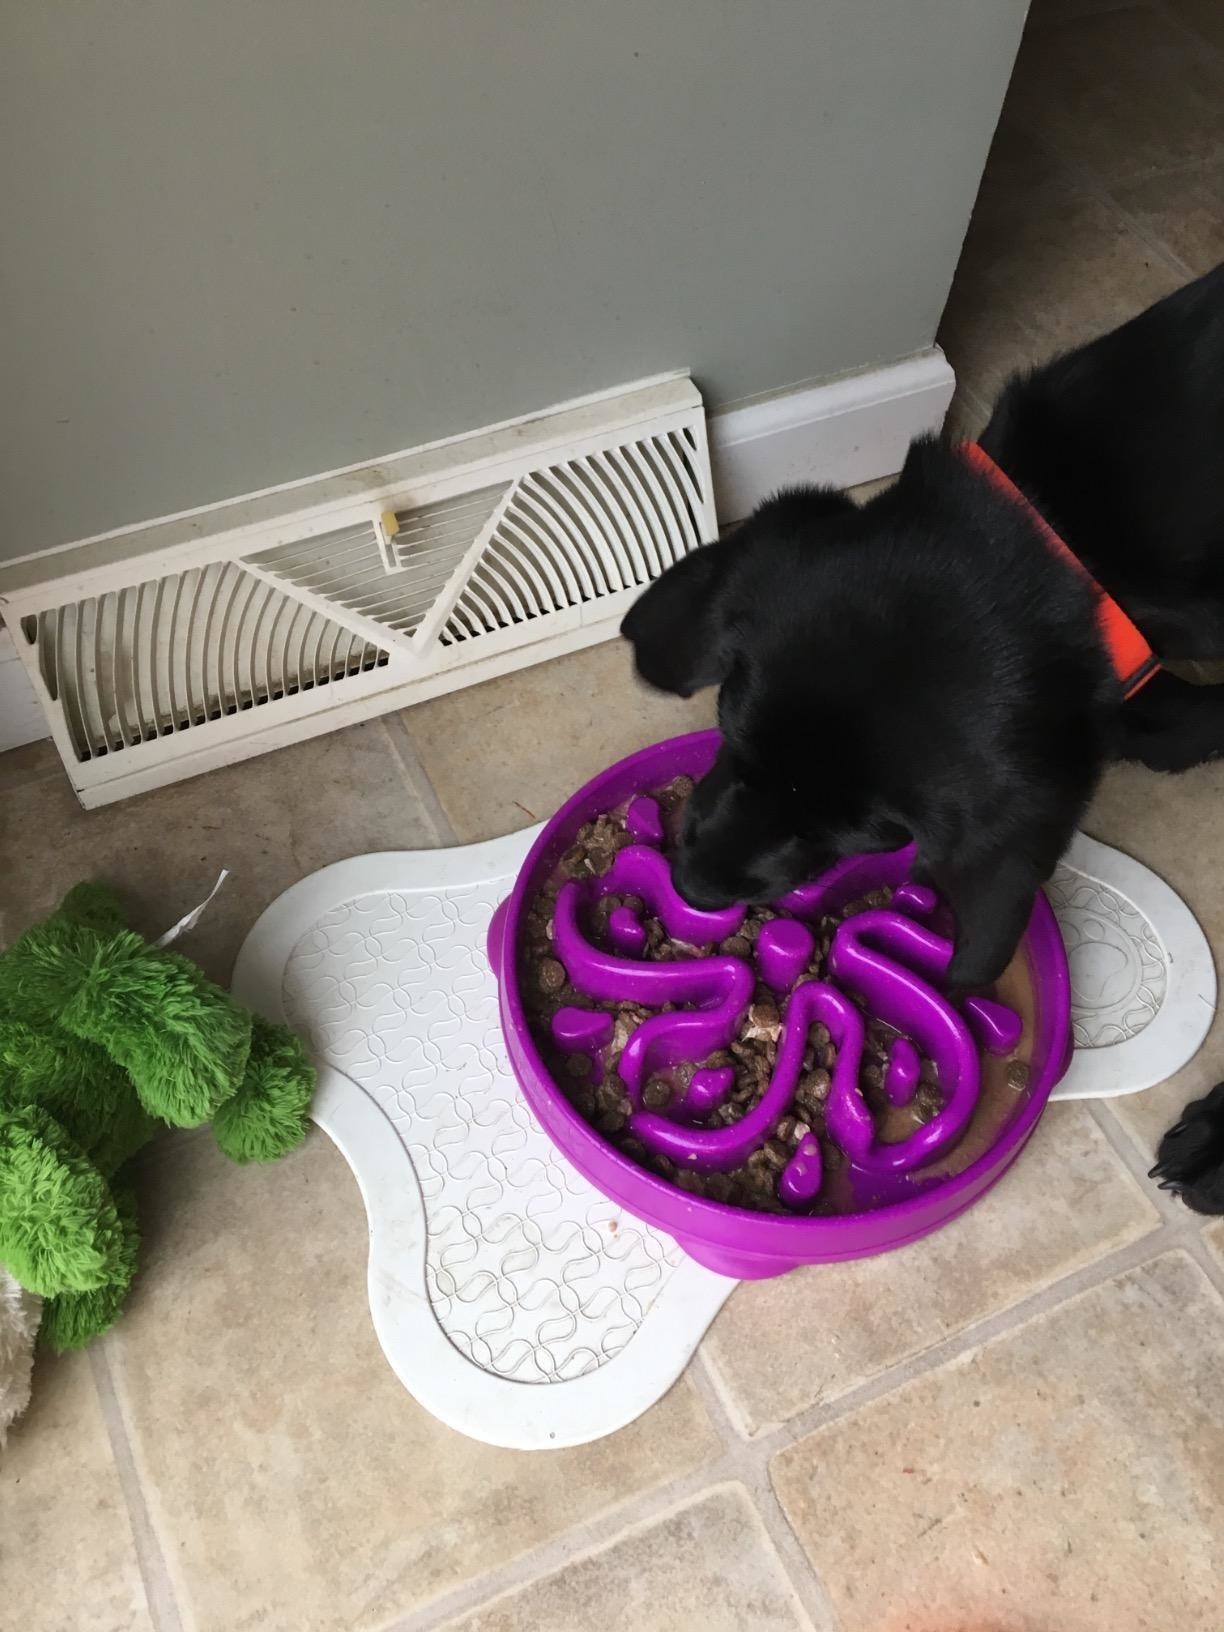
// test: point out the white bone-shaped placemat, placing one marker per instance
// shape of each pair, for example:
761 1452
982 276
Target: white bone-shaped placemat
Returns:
516 1303
1143 981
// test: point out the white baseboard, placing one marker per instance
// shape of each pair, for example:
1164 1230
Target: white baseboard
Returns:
21 719
850 430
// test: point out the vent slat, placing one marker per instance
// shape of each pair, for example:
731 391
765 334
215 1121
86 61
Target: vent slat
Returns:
316 661
226 697
519 539
158 715
335 564
176 653
622 503
85 692
187 648
88 652
333 656
522 569
142 708
498 580
350 569
553 558
617 573
122 731
684 450
243 678
683 536
653 507
297 611
555 525
46 637
177 716
301 668
588 527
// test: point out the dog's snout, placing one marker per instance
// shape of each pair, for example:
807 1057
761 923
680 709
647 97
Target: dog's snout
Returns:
698 891
693 823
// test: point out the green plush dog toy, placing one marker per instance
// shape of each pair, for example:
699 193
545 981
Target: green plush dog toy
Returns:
101 1037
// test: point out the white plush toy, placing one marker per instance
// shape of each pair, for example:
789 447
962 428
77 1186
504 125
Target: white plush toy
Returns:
19 1316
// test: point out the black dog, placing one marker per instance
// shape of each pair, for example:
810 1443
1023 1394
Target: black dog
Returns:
927 666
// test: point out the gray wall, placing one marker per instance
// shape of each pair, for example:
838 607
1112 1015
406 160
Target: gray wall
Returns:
247 240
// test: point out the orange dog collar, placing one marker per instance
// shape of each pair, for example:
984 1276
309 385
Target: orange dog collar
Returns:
1132 657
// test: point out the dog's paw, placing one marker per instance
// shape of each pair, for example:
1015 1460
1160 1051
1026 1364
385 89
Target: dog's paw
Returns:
1190 1161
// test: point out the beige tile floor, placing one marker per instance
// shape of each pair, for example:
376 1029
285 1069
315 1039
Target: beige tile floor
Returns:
1011 1427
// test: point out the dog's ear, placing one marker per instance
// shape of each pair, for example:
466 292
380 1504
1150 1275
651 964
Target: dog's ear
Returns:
795 510
677 628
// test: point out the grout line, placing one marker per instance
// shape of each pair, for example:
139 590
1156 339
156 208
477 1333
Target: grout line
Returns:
738 1462
1207 1261
1107 8
1184 1226
975 1336
1158 247
747 1462
813 1605
1137 1162
1188 31
792 1556
405 751
971 398
12 780
720 1410
744 1452
584 1540
1096 187
593 1537
1190 36
159 1590
1178 167
1103 189
971 395
746 1459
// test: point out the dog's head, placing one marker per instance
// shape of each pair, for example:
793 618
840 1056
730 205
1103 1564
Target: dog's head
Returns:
795 785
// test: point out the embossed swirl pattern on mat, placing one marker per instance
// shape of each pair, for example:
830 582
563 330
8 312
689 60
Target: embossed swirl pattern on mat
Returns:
1119 969
531 1273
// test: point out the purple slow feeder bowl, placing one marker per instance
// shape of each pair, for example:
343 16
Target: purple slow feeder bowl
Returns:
894 1202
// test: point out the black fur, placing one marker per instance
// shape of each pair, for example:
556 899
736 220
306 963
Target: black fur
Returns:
925 666
1190 1161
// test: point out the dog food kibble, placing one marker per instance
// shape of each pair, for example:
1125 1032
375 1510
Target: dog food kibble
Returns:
550 976
656 1095
599 1095
764 1024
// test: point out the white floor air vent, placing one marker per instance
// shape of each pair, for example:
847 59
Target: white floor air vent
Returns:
167 649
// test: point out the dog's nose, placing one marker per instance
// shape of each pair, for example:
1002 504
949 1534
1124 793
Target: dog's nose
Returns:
699 892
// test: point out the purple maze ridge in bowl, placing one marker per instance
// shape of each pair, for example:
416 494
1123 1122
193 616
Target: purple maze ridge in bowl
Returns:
883 964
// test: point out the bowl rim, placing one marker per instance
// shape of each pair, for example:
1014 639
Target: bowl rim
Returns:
771 1232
